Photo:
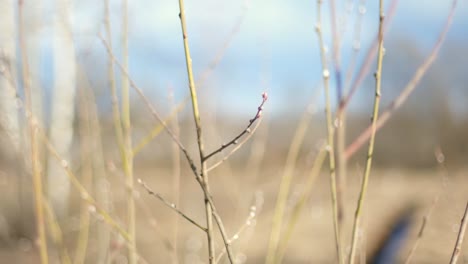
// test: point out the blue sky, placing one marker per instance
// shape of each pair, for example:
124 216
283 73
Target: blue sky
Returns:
275 48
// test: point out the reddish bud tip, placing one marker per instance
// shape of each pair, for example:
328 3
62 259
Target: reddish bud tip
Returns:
264 95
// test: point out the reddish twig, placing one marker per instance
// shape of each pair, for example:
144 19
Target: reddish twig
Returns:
371 53
385 116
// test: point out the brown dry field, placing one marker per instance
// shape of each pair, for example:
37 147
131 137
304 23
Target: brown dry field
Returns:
235 191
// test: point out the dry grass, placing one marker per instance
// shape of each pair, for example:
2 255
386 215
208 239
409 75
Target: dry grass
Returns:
390 192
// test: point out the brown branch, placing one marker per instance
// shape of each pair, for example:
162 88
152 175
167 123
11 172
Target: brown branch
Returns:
150 107
236 148
169 204
235 140
460 236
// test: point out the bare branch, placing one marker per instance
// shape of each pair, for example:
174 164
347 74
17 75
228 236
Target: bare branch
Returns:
150 107
385 116
460 237
247 130
169 204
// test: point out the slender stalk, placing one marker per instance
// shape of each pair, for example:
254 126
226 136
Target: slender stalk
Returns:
330 132
33 129
86 174
440 157
409 88
299 206
189 159
127 138
368 61
460 237
103 196
152 109
249 130
196 117
157 130
285 185
341 125
176 181
170 205
111 75
370 152
248 222
56 233
85 195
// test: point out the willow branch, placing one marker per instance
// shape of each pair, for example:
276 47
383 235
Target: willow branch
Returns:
247 130
409 88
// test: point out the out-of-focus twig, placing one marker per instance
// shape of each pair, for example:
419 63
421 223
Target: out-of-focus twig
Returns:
34 142
330 132
439 155
409 88
460 237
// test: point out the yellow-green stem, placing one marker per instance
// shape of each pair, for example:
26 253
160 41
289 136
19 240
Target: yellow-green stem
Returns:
330 133
293 219
370 151
35 159
196 117
86 175
127 137
283 192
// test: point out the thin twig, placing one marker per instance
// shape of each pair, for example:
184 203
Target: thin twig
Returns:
33 130
336 49
439 155
356 41
82 190
176 173
65 164
150 107
370 152
368 61
330 132
285 186
116 116
409 88
340 122
460 237
84 120
201 79
299 206
156 131
127 139
170 205
171 134
56 233
248 222
247 130
198 128
236 148
209 206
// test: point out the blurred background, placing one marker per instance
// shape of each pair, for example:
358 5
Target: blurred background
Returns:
239 50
